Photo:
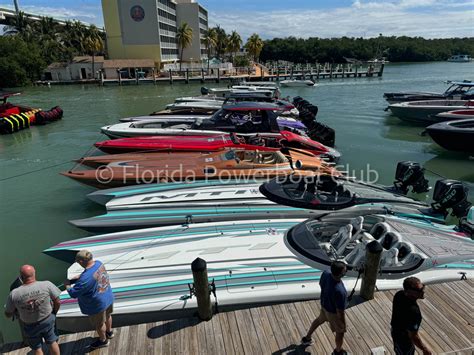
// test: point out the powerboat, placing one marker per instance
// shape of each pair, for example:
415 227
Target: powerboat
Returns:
132 169
455 135
297 82
425 112
201 202
259 262
243 117
455 115
457 90
460 58
258 141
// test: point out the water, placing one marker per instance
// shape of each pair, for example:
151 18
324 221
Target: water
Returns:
37 202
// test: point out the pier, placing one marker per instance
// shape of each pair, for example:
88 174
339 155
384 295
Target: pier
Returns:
447 327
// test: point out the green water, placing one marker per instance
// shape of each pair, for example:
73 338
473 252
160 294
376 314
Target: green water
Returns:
37 202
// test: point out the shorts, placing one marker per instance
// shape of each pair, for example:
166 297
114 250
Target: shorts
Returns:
402 345
99 318
335 323
45 329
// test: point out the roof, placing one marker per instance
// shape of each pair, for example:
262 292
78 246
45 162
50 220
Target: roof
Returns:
129 63
57 65
266 106
87 59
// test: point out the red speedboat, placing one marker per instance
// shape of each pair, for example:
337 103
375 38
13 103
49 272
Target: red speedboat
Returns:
260 141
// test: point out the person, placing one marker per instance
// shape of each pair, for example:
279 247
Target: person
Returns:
333 305
35 303
406 318
94 294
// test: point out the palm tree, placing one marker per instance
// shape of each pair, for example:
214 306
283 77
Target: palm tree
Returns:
234 42
254 46
184 37
210 41
21 26
221 41
93 44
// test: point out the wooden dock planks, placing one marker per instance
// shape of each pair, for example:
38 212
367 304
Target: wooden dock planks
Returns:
447 327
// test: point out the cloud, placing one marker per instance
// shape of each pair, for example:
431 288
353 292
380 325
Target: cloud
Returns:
88 14
425 18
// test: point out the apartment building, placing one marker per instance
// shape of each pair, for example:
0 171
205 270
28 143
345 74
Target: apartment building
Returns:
146 29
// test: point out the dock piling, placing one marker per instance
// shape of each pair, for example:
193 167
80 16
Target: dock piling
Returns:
201 289
373 254
171 77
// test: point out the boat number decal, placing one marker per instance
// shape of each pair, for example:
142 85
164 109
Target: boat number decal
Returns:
207 160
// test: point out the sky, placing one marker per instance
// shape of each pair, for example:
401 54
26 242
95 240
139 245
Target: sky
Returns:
305 18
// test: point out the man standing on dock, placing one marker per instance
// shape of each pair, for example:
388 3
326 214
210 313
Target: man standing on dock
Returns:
36 304
95 297
406 318
333 305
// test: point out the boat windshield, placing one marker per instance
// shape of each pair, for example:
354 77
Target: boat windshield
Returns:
457 89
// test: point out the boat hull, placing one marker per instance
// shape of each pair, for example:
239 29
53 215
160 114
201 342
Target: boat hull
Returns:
454 135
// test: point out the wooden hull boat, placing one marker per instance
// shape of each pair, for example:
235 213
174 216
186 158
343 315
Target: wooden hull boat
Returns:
132 169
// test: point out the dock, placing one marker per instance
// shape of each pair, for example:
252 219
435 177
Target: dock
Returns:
447 327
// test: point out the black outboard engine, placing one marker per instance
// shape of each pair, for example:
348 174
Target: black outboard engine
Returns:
410 173
204 90
451 194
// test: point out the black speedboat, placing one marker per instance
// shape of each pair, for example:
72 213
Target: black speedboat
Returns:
454 135
459 90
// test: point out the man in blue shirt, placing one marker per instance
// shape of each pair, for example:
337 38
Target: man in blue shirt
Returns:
333 305
94 294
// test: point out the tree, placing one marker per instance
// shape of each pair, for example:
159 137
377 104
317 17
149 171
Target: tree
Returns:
21 25
221 41
254 46
93 44
184 37
210 41
234 42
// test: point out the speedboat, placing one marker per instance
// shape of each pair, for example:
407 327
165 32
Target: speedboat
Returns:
297 82
457 90
424 112
132 169
460 58
243 117
259 262
258 141
205 201
210 105
455 135
455 115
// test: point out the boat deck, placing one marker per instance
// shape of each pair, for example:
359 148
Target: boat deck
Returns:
447 327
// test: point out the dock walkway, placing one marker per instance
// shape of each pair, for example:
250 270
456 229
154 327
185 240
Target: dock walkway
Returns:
447 327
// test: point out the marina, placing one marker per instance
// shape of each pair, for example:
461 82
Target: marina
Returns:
76 134
277 329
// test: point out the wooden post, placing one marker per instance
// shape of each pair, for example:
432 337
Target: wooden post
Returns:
201 289
291 73
343 70
373 253
330 71
202 76
317 71
101 76
119 76
154 77
171 77
356 68
186 78
218 75
381 69
136 76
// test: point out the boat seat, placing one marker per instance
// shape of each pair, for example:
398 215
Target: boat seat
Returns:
379 229
356 224
342 237
389 239
389 257
405 252
357 256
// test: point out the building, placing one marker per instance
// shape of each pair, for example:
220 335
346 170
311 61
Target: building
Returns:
80 68
146 29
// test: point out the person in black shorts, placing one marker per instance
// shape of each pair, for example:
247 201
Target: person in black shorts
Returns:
406 318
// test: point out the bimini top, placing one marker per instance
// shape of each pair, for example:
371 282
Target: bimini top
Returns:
248 106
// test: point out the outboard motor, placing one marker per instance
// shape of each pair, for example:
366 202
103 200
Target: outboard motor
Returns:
204 90
410 173
451 194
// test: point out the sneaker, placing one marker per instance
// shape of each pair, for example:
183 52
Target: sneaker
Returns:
110 334
307 341
99 344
